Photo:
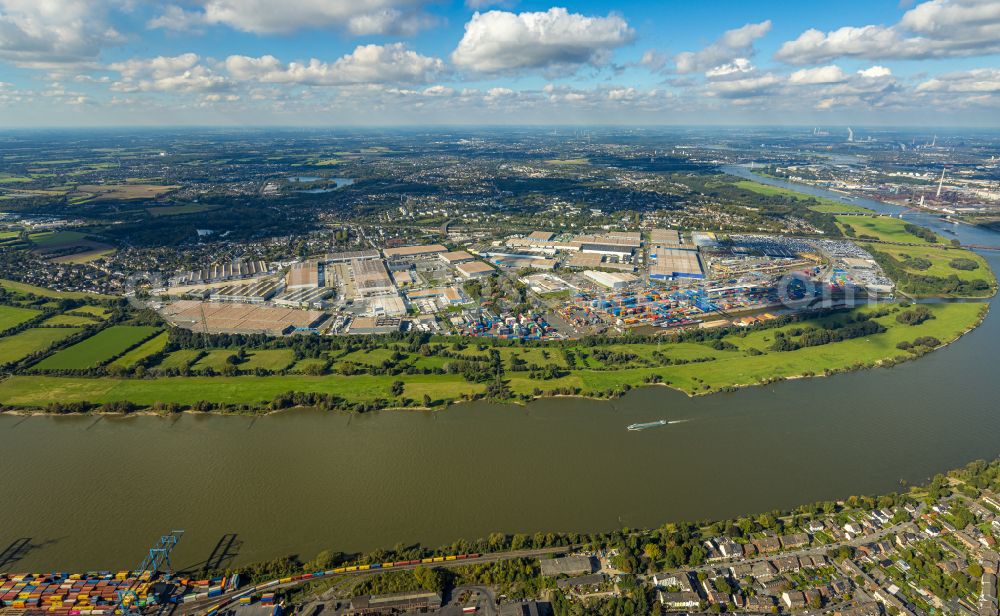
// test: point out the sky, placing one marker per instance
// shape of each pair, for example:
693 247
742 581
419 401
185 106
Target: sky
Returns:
493 62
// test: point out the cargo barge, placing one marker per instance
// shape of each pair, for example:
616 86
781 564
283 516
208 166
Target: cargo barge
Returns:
636 427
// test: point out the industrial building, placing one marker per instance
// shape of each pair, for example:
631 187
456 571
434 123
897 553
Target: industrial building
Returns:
616 244
410 252
672 264
592 260
247 293
387 305
437 298
523 261
474 269
448 294
611 280
375 325
370 277
347 257
397 603
665 237
236 270
303 297
456 257
305 275
568 565
541 236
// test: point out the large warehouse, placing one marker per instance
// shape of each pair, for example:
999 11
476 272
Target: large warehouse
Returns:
673 264
305 275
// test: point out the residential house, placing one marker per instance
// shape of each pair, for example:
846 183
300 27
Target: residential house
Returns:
795 541
793 599
679 600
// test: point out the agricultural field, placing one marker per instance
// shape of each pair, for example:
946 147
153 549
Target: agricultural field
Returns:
178 359
68 246
180 210
568 161
150 347
68 320
98 312
97 349
835 208
17 347
825 205
749 360
303 365
12 316
940 259
41 390
267 359
882 228
120 192
55 239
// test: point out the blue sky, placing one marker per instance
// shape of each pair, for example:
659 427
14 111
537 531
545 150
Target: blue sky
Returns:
385 62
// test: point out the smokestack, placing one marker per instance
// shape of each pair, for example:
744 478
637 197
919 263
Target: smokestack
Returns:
940 184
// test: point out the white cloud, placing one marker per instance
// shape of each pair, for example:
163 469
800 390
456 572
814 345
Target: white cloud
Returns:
653 60
981 80
875 72
819 75
499 41
737 66
732 45
746 87
621 94
934 29
366 64
50 33
177 19
438 91
183 73
359 17
495 93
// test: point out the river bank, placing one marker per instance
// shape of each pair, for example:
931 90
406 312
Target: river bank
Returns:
742 359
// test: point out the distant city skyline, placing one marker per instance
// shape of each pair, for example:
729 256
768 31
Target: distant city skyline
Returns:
416 62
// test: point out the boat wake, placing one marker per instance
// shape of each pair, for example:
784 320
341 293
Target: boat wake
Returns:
636 427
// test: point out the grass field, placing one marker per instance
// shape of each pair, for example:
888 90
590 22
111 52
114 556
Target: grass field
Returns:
882 228
12 316
72 320
41 390
55 239
121 192
98 312
940 258
97 349
180 210
304 364
825 205
268 359
20 287
835 208
144 350
568 161
178 359
729 368
17 347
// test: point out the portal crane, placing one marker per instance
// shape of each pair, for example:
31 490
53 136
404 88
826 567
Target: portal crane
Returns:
156 561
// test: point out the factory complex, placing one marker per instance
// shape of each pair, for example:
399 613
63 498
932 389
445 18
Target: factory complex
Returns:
579 284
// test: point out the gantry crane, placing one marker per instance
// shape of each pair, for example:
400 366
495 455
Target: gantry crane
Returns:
156 561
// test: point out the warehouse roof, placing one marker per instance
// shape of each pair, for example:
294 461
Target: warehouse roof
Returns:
413 251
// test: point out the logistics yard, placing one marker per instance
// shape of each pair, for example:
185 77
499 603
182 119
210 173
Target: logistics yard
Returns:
592 283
